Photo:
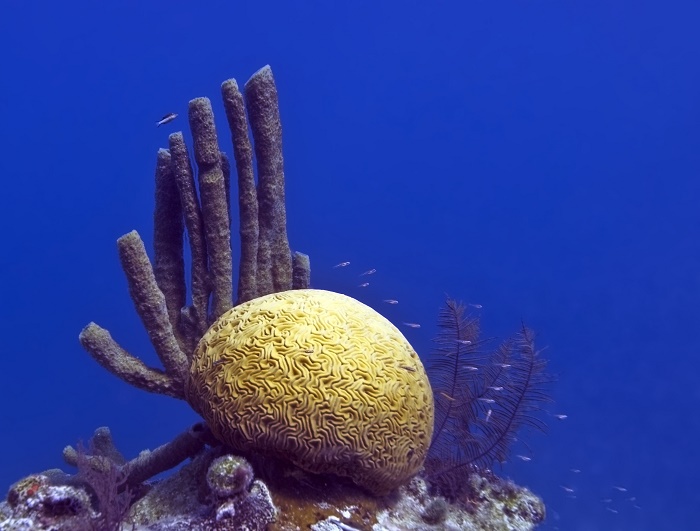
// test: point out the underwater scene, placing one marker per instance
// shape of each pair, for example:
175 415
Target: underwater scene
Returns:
356 266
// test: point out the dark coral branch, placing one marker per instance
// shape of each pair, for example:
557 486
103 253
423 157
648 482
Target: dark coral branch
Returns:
457 342
108 485
482 400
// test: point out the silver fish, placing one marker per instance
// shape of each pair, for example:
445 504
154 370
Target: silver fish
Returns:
166 119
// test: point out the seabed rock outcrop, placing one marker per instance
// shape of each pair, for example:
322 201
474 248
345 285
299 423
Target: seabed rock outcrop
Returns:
295 501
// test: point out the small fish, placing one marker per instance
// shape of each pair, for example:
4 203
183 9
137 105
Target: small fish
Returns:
471 368
447 396
488 415
494 388
614 511
488 400
308 351
341 264
524 458
477 306
575 470
412 325
561 416
391 301
567 489
621 489
166 119
632 498
368 272
606 500
363 285
463 341
503 365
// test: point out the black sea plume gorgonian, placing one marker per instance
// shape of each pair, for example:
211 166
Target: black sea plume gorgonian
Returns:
482 398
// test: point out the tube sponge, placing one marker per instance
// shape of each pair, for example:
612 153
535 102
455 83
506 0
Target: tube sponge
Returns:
319 379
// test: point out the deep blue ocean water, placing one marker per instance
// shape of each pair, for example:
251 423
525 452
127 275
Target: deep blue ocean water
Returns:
539 158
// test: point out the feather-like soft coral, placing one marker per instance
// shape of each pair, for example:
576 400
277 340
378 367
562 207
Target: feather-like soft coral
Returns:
482 399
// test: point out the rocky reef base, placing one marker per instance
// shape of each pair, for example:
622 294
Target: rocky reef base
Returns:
218 491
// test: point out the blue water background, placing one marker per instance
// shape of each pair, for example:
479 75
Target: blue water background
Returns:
540 158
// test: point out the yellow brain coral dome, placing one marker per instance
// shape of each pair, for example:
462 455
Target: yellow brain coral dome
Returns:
317 378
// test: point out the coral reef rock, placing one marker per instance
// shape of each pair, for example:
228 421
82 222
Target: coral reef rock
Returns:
493 504
294 500
34 503
186 500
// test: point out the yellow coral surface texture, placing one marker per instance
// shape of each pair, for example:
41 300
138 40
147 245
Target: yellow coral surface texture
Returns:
317 378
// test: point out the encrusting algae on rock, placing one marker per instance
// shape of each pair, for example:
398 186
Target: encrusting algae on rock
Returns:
318 412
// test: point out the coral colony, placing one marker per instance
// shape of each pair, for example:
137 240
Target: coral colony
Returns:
318 414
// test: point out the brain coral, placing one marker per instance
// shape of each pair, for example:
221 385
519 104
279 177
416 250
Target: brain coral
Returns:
319 379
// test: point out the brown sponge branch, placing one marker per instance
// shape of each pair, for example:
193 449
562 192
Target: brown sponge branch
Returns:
274 256
149 302
212 192
168 232
106 351
195 317
247 195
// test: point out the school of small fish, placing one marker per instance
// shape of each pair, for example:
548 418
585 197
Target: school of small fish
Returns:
570 491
